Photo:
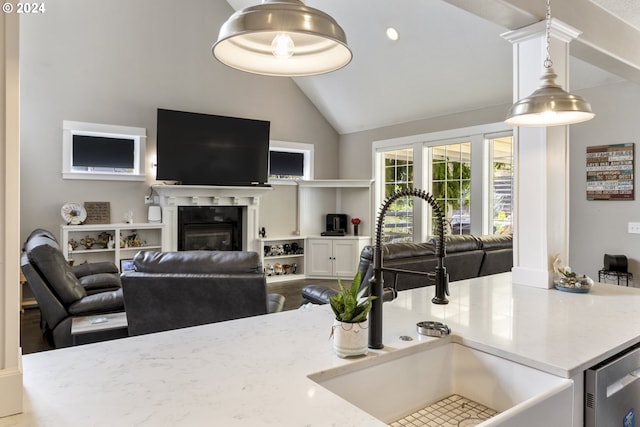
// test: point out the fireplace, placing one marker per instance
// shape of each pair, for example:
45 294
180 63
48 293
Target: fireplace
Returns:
213 228
245 200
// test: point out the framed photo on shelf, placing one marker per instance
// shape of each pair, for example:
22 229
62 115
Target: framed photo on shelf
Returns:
126 265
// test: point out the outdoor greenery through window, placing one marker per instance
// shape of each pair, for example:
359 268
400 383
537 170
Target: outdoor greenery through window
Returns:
451 184
398 176
501 185
441 163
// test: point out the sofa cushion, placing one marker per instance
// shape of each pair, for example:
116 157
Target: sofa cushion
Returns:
88 269
459 243
100 282
103 302
52 265
197 262
407 250
496 241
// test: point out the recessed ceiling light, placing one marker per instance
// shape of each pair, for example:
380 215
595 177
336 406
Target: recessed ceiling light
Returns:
392 34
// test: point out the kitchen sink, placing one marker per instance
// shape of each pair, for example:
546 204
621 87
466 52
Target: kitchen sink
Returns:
409 382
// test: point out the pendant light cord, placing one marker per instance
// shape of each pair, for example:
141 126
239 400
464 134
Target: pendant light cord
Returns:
548 63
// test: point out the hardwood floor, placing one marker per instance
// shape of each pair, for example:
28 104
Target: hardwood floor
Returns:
32 341
31 338
292 291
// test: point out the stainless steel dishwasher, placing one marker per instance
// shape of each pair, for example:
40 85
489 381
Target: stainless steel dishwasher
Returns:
612 391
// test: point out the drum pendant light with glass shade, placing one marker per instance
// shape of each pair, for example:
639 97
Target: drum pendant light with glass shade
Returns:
549 105
282 38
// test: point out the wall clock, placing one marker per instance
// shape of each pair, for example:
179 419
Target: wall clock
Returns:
73 213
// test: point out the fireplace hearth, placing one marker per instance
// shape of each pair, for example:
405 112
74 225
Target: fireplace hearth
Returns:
214 228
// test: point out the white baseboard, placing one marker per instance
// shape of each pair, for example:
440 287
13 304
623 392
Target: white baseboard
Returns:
11 391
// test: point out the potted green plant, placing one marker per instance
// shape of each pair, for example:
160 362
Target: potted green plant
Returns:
350 307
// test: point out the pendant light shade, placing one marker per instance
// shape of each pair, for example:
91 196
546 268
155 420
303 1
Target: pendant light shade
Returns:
549 105
282 38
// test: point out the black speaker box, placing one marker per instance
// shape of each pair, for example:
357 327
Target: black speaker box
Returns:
615 263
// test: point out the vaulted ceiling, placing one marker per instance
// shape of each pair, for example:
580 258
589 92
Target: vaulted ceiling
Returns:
446 60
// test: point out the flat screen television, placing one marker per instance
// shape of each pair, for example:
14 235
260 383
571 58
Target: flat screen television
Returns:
205 149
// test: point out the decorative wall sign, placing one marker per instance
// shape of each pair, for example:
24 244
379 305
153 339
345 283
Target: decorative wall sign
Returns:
98 212
610 172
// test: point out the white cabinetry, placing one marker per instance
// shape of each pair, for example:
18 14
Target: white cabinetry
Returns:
351 197
128 240
334 256
283 258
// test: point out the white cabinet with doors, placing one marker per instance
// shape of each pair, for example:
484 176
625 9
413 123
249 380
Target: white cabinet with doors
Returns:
334 256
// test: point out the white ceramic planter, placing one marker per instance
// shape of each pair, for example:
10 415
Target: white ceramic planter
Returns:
350 339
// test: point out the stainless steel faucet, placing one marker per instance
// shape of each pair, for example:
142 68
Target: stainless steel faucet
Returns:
376 284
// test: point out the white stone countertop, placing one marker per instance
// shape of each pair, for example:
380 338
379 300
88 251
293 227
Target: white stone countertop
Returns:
253 371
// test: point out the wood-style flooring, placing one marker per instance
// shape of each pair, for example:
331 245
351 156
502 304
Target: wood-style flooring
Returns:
32 341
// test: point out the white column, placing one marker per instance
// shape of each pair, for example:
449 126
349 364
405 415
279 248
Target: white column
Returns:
10 353
541 158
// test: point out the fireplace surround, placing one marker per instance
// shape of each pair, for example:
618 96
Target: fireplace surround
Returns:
172 197
213 228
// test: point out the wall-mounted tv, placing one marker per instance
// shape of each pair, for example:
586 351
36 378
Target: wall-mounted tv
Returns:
205 149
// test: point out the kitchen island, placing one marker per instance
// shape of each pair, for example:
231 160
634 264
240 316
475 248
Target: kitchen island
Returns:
254 371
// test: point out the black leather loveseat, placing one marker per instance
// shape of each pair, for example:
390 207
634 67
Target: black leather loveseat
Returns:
171 290
466 257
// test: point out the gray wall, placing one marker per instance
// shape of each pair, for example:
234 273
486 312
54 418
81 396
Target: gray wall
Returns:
356 159
116 62
599 227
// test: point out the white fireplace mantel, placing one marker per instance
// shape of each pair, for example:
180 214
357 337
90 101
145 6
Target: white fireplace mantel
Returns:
170 197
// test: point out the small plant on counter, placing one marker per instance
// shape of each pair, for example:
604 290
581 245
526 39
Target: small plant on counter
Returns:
350 305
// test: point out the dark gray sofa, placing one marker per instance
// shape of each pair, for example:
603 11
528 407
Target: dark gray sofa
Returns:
170 290
466 257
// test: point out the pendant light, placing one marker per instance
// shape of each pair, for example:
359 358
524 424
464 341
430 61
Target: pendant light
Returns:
549 105
282 38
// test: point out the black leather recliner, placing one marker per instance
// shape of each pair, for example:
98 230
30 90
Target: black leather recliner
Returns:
170 290
64 292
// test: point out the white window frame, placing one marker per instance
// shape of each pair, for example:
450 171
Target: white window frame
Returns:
295 147
420 144
138 135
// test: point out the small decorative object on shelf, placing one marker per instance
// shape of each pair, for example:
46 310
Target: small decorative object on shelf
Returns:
128 216
88 242
103 239
73 213
73 244
351 307
356 222
568 281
